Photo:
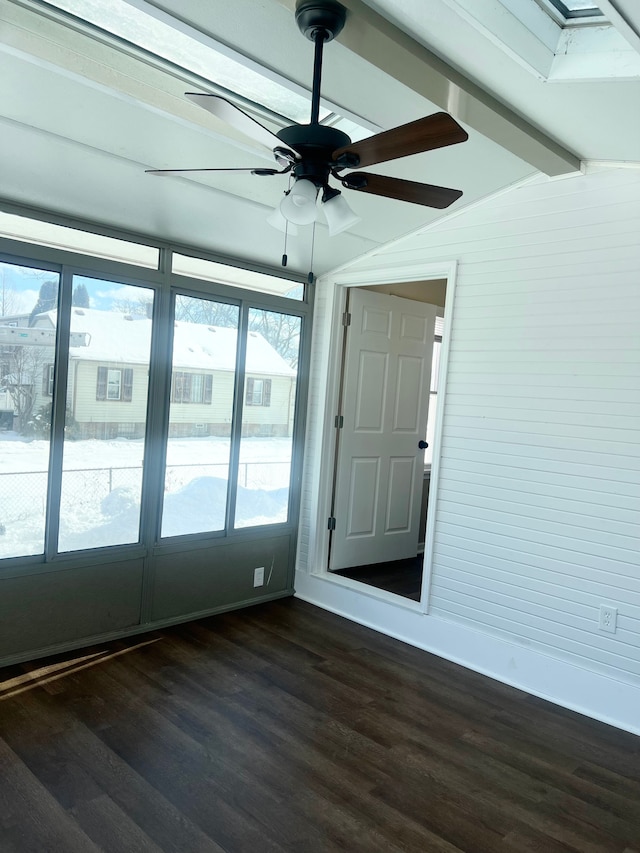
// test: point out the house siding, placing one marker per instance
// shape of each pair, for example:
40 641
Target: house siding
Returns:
538 490
88 410
277 417
95 417
216 415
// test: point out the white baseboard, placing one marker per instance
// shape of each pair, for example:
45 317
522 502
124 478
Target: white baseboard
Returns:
609 700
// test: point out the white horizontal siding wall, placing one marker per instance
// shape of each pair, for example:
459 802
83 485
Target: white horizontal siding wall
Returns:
538 509
538 501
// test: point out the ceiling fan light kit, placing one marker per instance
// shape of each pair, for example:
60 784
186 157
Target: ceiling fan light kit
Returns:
299 204
337 212
313 153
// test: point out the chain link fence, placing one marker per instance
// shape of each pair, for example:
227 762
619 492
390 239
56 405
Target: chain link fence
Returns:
23 495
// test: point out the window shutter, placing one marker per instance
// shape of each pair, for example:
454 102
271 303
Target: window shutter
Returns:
178 387
266 392
186 388
101 388
249 393
208 388
127 384
46 373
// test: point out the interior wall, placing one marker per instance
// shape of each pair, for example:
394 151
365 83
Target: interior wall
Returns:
539 482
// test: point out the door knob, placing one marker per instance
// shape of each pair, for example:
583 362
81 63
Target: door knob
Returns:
423 445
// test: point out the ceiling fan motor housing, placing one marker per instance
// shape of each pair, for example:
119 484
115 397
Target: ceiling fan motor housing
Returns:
315 143
326 15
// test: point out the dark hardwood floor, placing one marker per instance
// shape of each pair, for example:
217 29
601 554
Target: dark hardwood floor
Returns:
402 577
285 728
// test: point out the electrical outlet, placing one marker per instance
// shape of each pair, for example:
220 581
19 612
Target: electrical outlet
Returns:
608 618
258 576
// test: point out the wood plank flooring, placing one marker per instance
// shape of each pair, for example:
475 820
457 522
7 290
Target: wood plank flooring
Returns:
286 728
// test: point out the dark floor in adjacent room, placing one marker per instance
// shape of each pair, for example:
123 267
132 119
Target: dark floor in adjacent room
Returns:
402 577
285 728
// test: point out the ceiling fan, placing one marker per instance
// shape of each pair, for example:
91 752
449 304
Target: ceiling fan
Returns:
312 153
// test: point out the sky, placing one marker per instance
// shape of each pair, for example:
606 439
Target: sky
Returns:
19 288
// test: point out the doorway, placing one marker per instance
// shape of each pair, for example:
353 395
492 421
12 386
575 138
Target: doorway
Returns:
381 498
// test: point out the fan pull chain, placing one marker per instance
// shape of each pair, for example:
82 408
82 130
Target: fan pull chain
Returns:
286 234
286 228
310 277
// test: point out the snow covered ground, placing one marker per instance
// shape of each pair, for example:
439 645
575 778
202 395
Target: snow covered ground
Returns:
101 484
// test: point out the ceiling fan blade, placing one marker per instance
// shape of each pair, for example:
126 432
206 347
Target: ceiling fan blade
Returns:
237 118
257 171
425 134
426 194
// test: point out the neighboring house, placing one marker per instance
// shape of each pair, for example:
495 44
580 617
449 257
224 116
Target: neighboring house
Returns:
107 396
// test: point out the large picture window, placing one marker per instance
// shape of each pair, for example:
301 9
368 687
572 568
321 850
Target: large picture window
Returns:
266 445
74 458
205 343
27 358
106 414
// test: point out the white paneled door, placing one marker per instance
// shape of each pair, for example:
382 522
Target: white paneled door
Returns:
385 400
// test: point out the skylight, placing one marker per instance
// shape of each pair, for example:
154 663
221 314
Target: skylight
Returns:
147 27
166 40
573 10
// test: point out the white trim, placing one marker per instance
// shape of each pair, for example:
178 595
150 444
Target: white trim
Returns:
331 331
427 565
557 681
327 367
592 166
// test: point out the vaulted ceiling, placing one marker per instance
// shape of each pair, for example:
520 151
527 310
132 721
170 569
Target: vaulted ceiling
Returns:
83 114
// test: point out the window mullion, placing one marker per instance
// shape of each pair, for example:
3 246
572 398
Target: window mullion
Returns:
160 393
58 415
236 428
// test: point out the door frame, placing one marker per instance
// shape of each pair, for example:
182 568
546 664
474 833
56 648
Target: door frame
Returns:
327 366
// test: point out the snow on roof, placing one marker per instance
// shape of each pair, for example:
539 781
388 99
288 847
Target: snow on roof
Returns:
117 337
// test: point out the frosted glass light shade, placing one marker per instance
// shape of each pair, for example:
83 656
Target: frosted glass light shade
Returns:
338 214
277 220
299 205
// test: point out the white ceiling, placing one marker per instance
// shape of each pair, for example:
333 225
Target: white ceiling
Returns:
80 121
